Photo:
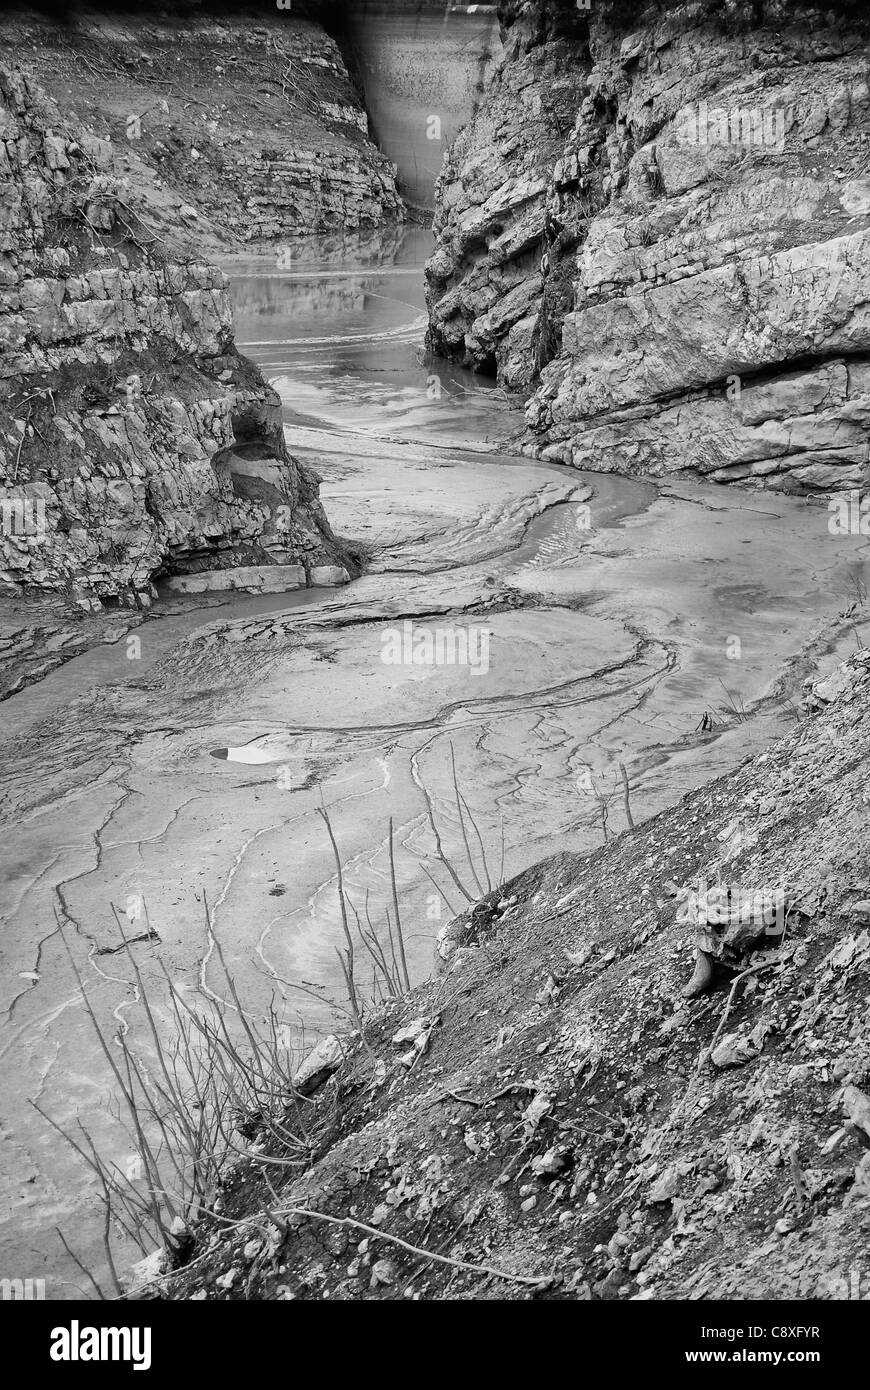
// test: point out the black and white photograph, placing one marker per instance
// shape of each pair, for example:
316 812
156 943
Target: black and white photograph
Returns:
435 671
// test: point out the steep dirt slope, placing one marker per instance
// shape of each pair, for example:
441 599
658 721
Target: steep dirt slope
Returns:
567 1117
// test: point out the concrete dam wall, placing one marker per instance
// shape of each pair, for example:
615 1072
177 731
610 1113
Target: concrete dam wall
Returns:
423 68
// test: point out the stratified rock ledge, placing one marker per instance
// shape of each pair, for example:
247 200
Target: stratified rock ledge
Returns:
656 229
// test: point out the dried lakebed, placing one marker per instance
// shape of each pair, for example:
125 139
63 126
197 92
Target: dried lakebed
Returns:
613 611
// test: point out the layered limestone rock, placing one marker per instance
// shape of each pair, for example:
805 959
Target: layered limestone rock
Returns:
485 280
248 125
681 282
134 439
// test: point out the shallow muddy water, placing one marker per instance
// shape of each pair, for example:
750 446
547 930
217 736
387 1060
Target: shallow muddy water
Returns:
612 613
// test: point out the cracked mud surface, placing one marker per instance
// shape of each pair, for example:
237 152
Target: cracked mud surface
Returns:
610 604
572 1127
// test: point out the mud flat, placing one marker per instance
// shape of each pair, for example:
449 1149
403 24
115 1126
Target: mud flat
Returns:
571 1126
617 613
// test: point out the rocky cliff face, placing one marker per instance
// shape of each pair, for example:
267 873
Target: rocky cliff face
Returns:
247 124
657 227
485 280
134 439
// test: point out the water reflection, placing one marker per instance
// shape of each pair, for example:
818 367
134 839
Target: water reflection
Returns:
343 342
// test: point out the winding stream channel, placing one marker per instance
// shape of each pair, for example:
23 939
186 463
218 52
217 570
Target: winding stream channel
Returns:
606 614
